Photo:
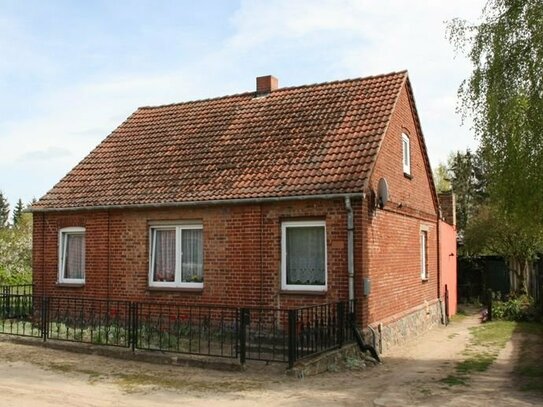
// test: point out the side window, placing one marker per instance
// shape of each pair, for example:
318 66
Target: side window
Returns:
303 256
424 255
71 259
406 154
176 256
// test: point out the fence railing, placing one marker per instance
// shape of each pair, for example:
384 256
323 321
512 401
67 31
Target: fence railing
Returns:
202 330
17 289
267 334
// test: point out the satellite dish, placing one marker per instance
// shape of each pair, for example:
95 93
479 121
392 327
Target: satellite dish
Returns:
382 193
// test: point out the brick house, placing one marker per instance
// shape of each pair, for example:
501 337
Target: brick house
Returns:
265 198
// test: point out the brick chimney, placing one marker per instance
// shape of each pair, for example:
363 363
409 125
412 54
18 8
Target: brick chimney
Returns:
447 202
266 84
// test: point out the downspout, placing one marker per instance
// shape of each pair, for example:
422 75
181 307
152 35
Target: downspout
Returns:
438 260
350 269
42 255
108 255
442 305
350 250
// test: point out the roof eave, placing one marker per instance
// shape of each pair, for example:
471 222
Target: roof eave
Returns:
216 202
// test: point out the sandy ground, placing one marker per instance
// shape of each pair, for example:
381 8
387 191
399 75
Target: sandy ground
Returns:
410 376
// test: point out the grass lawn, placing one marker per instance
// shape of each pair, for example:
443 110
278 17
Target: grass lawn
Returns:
529 367
485 344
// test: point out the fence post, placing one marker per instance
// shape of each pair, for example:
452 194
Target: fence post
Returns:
45 318
243 321
7 299
447 305
489 301
340 323
133 324
292 340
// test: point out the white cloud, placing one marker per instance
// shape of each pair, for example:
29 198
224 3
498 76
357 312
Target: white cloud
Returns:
47 154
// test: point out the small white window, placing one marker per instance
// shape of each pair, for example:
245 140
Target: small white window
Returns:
176 256
303 256
71 255
406 154
424 255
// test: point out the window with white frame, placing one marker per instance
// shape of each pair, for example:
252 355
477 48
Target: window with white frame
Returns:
303 256
71 256
406 154
176 256
424 255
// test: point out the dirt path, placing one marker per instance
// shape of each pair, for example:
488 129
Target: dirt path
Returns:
410 376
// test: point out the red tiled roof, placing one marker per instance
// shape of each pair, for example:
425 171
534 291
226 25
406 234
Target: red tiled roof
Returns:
310 140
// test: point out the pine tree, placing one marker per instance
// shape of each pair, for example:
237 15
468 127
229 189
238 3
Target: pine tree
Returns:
18 212
4 211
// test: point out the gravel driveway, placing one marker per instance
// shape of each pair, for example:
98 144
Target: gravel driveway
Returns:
410 376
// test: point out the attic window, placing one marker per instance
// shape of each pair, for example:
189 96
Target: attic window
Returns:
406 154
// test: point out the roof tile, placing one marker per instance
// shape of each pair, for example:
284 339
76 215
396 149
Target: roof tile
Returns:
307 140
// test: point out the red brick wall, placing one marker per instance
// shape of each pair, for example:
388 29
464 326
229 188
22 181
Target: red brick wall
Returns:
242 254
391 254
242 265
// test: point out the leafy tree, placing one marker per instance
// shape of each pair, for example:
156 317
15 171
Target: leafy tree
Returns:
489 232
16 252
441 178
467 178
504 97
4 211
18 212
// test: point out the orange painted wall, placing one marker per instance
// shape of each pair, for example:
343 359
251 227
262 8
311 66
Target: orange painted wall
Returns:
448 260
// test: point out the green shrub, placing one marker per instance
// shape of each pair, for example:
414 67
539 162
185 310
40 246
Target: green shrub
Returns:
22 277
517 308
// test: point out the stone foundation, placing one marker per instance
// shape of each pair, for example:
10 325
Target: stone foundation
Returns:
347 357
399 328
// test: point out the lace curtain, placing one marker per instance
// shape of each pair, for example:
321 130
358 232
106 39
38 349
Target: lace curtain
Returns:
192 256
164 247
74 260
305 255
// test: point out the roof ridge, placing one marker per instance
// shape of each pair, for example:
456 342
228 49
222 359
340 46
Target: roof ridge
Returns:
279 90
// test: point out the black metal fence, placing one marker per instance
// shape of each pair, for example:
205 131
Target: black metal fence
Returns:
267 334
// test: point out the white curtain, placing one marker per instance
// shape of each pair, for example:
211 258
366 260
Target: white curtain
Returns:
305 255
164 253
74 261
192 255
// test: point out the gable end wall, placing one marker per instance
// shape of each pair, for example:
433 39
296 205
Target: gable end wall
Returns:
391 236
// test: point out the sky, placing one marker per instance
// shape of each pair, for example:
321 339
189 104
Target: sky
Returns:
72 71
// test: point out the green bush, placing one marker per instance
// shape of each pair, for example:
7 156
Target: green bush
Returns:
16 252
22 277
517 308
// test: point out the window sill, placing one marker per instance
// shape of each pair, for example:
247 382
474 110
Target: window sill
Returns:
70 285
177 289
303 292
424 280
408 176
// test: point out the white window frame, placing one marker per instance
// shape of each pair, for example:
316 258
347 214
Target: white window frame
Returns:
424 275
177 283
62 254
406 154
300 287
